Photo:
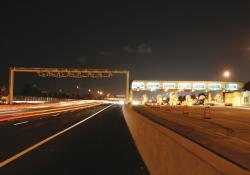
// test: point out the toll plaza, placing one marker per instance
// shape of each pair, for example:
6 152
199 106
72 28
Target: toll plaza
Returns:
142 91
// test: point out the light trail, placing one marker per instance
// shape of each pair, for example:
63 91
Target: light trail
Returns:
46 112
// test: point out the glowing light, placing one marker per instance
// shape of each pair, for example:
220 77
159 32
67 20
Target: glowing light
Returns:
152 86
121 102
138 85
100 92
199 86
169 85
213 86
227 74
184 85
231 87
135 102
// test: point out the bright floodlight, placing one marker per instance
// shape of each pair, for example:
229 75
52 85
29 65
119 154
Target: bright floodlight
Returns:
227 74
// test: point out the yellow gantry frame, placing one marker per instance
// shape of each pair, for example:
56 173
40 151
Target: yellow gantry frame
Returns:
67 72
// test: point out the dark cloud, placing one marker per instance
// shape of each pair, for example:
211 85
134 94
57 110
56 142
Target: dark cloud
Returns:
106 53
144 48
141 48
81 59
128 49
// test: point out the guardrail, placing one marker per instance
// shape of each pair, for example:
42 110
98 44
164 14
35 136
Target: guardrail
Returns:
38 99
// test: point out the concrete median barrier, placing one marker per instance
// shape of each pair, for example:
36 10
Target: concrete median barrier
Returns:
167 153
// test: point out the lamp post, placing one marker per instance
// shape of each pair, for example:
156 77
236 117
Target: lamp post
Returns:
78 91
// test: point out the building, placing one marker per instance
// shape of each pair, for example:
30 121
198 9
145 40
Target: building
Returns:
238 98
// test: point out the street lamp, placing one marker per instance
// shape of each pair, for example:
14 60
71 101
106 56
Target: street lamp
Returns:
99 92
227 74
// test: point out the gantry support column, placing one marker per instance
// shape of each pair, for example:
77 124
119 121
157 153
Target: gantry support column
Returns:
11 85
209 96
221 96
170 97
127 87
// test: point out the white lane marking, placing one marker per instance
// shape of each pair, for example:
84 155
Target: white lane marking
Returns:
56 114
20 123
25 151
220 134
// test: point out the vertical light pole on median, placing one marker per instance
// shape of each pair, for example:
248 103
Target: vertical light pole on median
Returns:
127 87
11 85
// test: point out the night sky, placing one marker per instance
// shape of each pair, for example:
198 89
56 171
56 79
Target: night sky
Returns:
174 40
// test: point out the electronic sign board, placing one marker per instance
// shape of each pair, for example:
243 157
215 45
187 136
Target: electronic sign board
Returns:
138 85
214 86
199 86
168 85
184 85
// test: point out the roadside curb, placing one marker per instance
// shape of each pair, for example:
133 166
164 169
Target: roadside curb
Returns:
166 152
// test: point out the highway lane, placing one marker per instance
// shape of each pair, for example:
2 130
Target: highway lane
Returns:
21 133
226 134
100 145
32 111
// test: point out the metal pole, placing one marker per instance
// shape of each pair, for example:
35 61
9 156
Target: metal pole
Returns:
209 96
127 87
11 85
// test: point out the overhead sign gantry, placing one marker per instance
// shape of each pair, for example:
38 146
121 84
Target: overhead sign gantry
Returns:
67 72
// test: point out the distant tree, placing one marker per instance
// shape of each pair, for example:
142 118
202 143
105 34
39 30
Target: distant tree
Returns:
193 97
3 91
31 90
202 99
247 86
202 94
167 100
181 98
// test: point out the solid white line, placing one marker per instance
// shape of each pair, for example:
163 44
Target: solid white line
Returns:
20 123
12 158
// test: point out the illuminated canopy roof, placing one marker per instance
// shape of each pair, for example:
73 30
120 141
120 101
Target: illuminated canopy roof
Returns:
186 85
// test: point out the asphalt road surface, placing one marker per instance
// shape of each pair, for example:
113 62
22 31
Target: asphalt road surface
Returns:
226 133
86 141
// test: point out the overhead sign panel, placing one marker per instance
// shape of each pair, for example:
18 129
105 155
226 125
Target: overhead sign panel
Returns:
231 86
153 86
138 85
169 86
215 86
199 86
184 85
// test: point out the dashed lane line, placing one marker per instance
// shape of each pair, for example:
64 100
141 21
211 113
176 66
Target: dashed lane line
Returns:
20 123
